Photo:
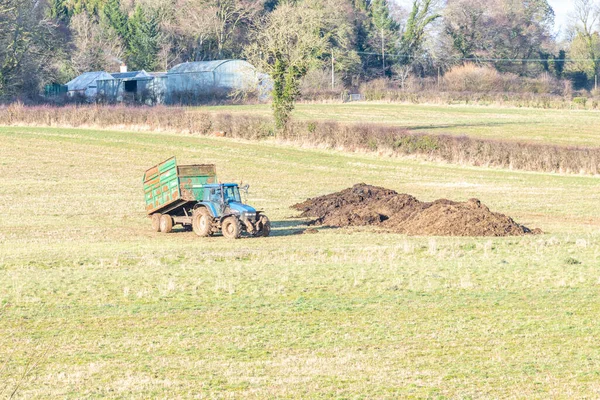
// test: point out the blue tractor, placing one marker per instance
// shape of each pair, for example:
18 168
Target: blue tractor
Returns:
222 209
188 195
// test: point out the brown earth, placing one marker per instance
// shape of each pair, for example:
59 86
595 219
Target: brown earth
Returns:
363 205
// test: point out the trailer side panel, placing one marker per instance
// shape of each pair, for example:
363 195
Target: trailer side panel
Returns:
168 186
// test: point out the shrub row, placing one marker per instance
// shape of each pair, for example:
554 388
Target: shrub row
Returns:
387 140
519 100
393 94
159 118
449 148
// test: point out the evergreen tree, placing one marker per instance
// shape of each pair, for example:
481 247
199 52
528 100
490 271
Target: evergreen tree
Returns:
270 5
559 64
64 10
362 28
59 10
380 14
116 18
143 40
420 17
361 5
285 90
384 30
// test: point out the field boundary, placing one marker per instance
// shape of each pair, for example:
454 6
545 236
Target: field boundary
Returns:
379 139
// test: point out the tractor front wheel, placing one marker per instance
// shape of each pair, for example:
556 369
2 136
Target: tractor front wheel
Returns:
202 223
264 226
231 228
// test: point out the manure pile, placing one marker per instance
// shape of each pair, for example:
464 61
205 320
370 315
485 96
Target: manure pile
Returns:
363 205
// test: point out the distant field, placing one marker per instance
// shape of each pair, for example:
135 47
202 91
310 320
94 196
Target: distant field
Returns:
93 304
564 127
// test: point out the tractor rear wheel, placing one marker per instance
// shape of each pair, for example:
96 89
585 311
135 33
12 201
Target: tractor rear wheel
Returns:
166 223
231 228
202 223
264 226
155 222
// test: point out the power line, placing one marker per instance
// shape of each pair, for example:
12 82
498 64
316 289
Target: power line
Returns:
486 59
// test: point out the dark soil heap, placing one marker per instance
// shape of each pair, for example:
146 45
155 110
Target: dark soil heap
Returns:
364 204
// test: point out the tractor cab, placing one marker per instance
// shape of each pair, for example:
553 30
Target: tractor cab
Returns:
223 199
225 193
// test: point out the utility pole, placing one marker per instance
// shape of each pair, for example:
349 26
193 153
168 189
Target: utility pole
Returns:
383 50
332 71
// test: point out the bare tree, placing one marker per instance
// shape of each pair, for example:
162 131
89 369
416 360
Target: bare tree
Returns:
585 19
31 46
504 30
586 15
401 73
208 29
287 43
196 21
97 46
229 15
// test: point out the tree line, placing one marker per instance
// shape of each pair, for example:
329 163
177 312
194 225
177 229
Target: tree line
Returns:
45 41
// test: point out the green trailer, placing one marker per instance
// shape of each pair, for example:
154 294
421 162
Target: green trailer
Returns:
189 195
171 190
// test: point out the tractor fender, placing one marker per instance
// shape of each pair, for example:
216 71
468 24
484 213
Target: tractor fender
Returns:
210 207
222 217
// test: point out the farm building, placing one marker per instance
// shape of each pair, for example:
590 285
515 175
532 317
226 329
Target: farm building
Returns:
86 84
190 82
209 79
138 86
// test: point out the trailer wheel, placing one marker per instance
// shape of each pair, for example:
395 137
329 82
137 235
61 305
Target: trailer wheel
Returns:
166 223
155 222
202 223
231 228
264 229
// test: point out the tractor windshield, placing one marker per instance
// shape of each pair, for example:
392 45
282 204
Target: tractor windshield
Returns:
232 193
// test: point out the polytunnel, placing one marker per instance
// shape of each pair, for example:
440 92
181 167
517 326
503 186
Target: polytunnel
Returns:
193 81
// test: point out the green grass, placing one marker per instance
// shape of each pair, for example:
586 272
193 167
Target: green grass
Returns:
93 304
562 127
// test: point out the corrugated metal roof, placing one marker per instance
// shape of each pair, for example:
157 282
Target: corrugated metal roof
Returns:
83 81
130 75
197 66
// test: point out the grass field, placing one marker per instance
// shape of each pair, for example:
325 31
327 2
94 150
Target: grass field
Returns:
93 304
563 127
